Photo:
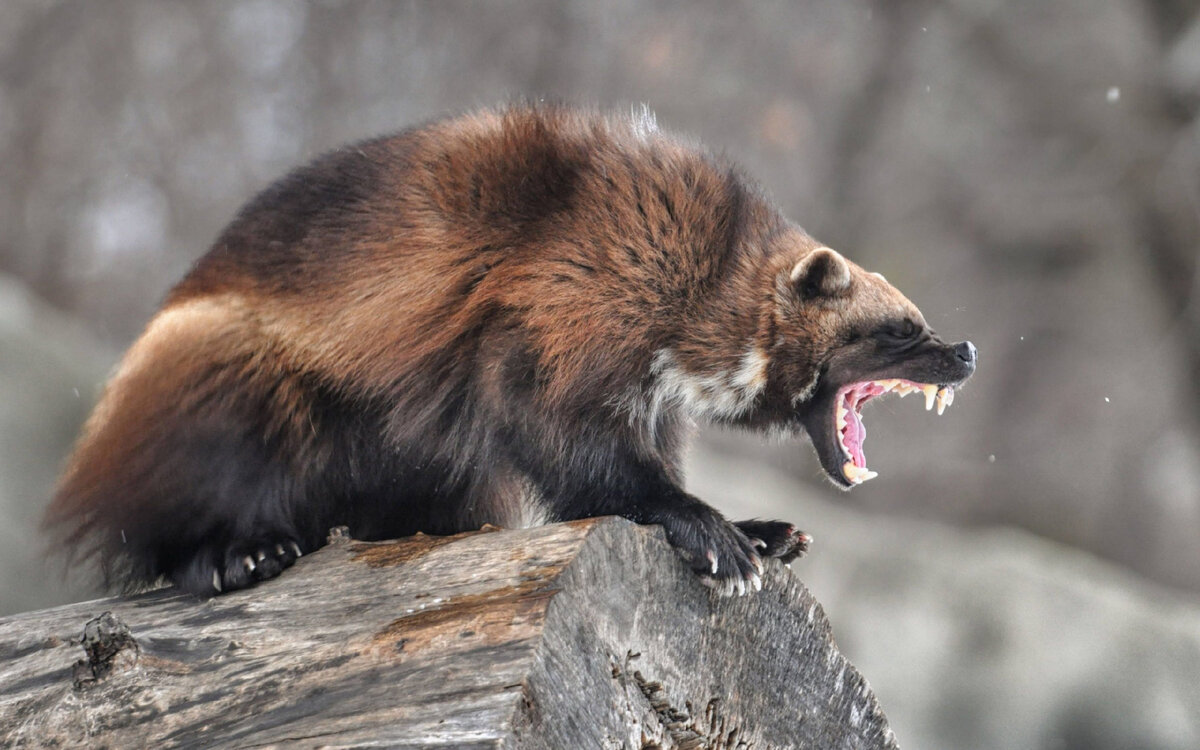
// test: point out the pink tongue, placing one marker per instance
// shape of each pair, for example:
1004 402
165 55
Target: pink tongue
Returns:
856 433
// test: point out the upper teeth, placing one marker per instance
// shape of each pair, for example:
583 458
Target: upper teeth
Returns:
930 394
943 396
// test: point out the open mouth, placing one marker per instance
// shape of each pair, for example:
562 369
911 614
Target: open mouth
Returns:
848 424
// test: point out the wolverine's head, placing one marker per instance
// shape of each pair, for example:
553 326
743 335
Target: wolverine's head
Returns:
844 336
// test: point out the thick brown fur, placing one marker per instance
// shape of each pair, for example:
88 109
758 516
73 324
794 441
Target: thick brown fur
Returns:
507 317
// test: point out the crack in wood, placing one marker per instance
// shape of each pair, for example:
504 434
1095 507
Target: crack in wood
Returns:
680 728
686 729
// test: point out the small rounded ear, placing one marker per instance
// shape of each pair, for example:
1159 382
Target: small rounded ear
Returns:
821 273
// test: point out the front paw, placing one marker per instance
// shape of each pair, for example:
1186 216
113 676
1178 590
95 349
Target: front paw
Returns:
718 551
777 539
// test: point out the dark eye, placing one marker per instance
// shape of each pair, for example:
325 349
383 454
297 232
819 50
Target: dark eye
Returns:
903 331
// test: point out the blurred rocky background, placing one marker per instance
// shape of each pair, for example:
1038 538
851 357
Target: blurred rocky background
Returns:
1025 572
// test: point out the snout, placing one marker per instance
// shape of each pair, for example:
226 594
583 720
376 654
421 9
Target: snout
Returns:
965 351
960 361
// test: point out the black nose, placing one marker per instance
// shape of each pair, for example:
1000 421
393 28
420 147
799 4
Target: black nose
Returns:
965 351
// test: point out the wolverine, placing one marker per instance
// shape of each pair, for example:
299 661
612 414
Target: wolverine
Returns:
510 317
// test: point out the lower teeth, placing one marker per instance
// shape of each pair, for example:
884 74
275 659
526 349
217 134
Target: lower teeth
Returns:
857 474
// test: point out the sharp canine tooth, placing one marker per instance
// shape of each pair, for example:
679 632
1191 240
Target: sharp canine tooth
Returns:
856 474
950 395
850 471
941 401
930 394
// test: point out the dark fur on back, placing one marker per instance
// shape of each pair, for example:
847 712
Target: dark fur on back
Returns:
507 317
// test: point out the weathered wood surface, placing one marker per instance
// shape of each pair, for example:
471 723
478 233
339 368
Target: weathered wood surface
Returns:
583 635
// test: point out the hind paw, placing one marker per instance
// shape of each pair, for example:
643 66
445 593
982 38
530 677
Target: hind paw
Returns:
222 566
777 539
246 563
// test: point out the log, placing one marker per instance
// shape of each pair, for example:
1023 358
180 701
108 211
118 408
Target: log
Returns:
591 634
